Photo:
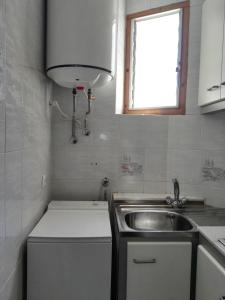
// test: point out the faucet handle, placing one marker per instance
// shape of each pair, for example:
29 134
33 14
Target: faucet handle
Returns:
169 200
183 200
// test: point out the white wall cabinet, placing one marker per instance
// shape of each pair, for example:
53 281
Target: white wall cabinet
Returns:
210 277
158 270
212 73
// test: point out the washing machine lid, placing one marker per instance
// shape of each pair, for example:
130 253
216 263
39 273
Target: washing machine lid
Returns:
81 224
81 205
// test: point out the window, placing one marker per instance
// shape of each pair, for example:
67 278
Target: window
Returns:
156 60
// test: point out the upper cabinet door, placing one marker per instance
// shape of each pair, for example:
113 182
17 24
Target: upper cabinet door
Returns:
211 51
210 277
223 66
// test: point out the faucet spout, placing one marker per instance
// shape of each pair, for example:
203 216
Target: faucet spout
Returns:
176 189
176 201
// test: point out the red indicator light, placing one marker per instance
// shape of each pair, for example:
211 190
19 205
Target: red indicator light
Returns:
80 88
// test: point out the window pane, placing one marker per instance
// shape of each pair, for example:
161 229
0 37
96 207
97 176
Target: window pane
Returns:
155 61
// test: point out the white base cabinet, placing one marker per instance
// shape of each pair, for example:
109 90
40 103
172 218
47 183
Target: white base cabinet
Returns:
158 270
210 277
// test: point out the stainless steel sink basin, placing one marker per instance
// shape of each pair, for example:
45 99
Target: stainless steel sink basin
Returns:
157 221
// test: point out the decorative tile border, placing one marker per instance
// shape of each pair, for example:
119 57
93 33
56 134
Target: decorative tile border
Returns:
212 173
129 167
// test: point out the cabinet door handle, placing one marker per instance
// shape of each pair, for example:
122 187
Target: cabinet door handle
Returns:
144 261
223 83
213 88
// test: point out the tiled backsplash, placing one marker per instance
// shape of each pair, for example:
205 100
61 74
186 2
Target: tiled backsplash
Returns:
141 153
24 135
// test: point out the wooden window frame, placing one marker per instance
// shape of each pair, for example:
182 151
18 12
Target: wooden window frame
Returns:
180 110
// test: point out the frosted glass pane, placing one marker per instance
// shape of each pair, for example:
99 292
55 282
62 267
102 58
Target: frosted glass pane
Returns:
155 61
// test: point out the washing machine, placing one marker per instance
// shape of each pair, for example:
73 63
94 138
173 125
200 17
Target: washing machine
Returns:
69 253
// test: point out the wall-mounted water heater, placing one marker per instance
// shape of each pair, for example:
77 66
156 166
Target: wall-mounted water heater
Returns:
81 42
81 49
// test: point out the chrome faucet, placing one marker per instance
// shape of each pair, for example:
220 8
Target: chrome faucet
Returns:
176 189
176 202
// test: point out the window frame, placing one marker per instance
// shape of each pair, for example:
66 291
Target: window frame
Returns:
180 110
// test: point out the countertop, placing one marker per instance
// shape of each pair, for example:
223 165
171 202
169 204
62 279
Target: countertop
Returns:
210 223
212 234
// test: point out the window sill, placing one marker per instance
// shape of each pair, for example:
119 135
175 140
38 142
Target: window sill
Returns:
159 112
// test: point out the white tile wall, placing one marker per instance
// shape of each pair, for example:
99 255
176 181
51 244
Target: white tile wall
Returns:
24 135
165 146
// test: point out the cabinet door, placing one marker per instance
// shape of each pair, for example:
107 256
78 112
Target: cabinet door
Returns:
210 277
158 270
211 51
223 69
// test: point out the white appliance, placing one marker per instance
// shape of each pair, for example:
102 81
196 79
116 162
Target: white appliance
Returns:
81 42
69 253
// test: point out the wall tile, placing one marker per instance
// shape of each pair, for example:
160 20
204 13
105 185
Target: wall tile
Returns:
19 32
31 172
214 196
129 185
13 195
132 163
154 131
2 127
195 23
106 162
155 165
184 132
32 210
130 131
61 134
104 131
192 96
14 110
215 161
157 3
76 190
138 131
155 187
2 56
13 287
134 6
184 165
213 132
73 164
93 162
2 202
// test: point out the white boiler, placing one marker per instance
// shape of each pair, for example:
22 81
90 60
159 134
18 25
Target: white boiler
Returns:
81 42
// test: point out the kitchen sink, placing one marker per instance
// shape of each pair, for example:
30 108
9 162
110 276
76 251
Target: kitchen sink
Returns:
157 221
